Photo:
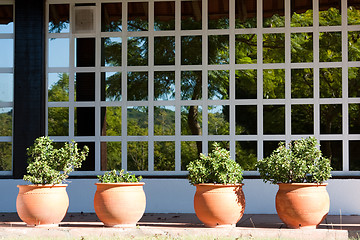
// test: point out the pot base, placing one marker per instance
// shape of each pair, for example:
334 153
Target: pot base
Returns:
221 226
121 226
55 225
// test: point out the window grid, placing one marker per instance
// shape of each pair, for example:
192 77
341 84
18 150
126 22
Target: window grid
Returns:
6 75
316 101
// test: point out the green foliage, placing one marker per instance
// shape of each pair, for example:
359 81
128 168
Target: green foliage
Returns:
118 177
48 165
215 168
301 162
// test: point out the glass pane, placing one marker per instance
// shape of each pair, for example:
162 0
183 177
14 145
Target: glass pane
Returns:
354 118
164 120
84 121
218 50
274 119
6 116
218 14
354 45
111 52
58 52
191 15
111 86
354 82
301 47
58 121
137 51
89 164
5 156
354 153
330 83
246 84
218 85
333 151
222 144
111 18
164 18
111 121
7 19
137 156
353 15
84 87
7 52
330 47
85 52
191 85
59 18
190 151
164 86
302 119
274 48
246 154
191 120
58 87
274 83
164 156
137 121
302 13
246 119
138 13
329 12
273 13
218 120
137 86
245 14
302 83
164 50
330 118
245 48
269 147
191 53
110 156
7 87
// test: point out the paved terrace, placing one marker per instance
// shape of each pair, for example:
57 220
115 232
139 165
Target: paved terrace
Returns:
179 226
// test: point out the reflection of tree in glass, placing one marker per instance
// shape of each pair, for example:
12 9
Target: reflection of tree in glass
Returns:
137 156
5 147
164 162
164 122
59 91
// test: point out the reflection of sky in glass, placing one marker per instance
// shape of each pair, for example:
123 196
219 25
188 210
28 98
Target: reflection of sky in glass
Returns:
7 53
8 28
53 79
7 87
215 109
58 52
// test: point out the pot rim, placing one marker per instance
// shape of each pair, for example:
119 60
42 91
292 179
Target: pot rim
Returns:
42 185
219 184
121 184
303 184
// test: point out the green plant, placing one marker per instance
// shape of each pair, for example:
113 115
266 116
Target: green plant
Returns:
301 162
118 177
218 167
48 165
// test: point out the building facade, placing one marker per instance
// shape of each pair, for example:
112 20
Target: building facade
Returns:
149 84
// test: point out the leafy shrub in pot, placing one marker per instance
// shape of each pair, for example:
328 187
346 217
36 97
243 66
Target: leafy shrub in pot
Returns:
120 199
219 200
300 170
45 201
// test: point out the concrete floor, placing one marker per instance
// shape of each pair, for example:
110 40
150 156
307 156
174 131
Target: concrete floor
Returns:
178 226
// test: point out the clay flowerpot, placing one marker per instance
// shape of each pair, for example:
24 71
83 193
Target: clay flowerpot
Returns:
42 205
219 205
120 204
302 205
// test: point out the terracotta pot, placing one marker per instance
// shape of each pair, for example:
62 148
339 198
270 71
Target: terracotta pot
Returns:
42 205
120 204
219 205
302 205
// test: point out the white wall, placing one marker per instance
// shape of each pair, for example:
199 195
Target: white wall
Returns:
176 196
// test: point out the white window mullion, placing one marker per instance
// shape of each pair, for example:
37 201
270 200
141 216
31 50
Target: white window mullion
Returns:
177 86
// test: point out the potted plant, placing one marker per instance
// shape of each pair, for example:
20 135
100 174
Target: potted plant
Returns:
300 170
119 199
45 201
219 200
